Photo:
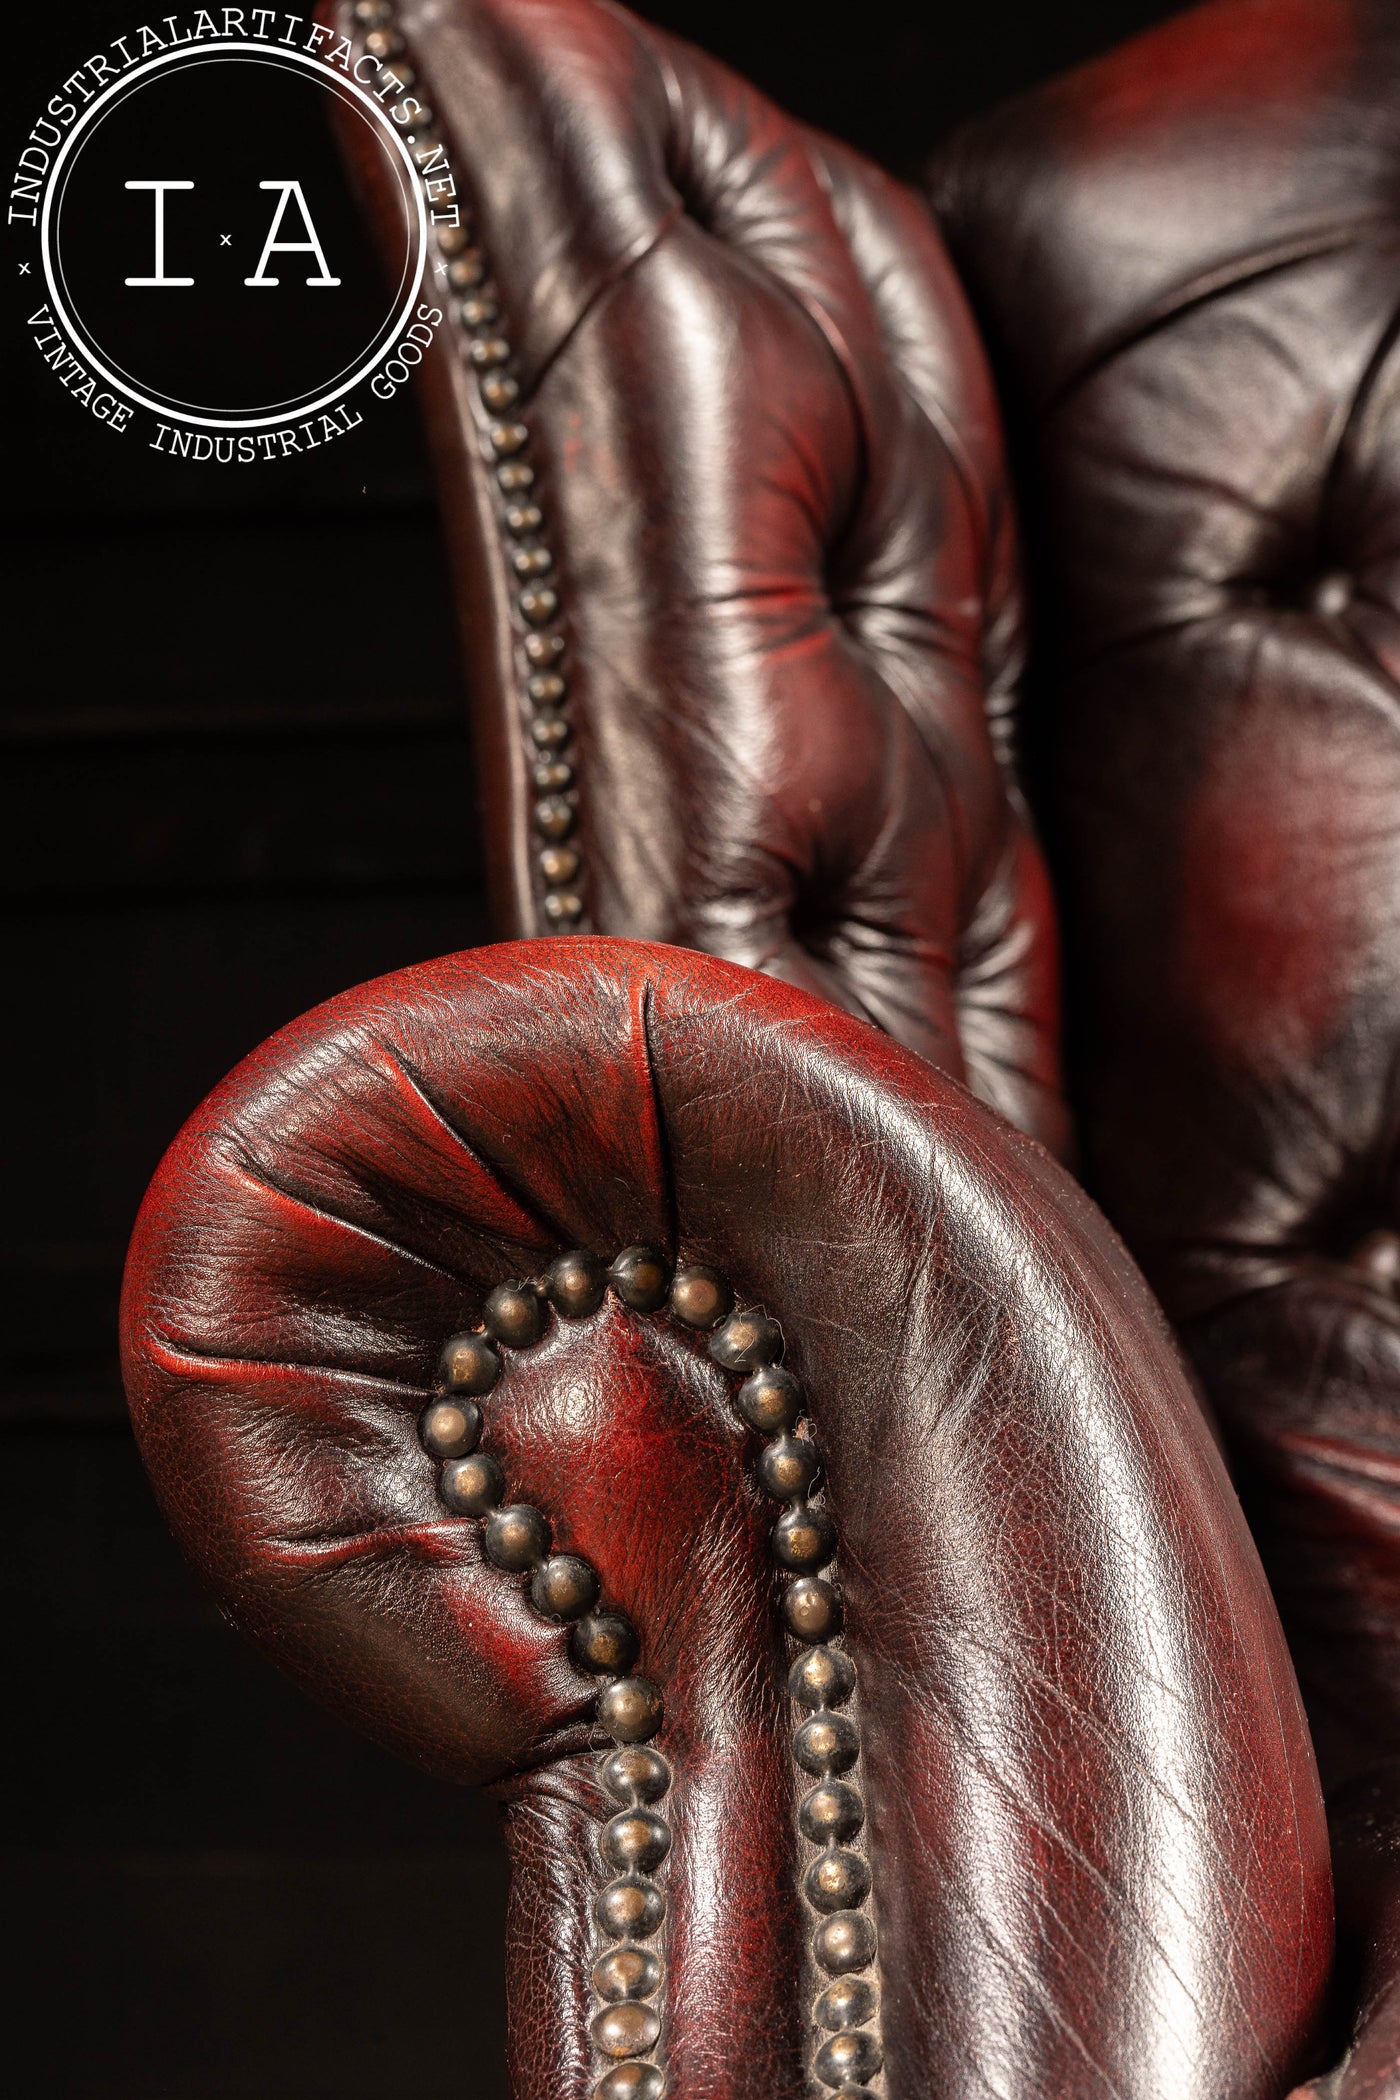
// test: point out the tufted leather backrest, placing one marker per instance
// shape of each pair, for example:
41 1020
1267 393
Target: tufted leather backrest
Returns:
1060 1830
723 476
1187 261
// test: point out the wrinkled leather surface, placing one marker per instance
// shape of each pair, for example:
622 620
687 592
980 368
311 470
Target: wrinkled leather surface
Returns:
1187 262
1099 1857
773 484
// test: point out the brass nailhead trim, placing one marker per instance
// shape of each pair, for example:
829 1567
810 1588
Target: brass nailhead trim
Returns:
485 347
844 2044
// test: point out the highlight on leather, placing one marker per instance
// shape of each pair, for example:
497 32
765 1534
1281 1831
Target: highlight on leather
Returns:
1092 1833
722 475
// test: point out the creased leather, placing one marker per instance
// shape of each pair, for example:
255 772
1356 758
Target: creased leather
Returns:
1094 1823
771 467
1186 259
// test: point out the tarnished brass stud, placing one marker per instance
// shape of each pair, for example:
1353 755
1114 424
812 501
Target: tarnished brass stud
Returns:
515 474
700 1297
563 907
553 775
849 2059
630 1909
804 1539
516 1538
465 269
771 1400
636 1774
606 1643
472 1487
479 311
575 1284
468 1364
542 649
488 350
383 43
844 1943
630 1709
507 438
559 864
746 1341
515 1314
399 71
546 689
628 1972
370 13
849 2002
450 1428
837 1880
532 561
499 390
524 517
811 1609
538 604
452 242
822 1677
554 817
640 1277
625 2030
550 731
634 2081
826 1744
788 1467
637 1841
564 1587
831 1814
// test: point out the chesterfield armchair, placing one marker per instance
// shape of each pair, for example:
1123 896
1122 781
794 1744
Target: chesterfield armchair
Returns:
659 1372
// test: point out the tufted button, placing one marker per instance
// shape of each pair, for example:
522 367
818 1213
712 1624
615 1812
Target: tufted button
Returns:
1332 594
1378 1258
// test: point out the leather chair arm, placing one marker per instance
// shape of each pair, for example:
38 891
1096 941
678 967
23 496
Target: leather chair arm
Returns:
1019 1779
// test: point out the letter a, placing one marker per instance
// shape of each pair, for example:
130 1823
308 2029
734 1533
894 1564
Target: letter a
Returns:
273 246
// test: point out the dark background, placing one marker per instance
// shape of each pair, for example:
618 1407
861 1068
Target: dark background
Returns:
238 780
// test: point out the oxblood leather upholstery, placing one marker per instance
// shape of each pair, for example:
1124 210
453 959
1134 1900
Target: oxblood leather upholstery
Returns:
1097 1842
770 470
1187 261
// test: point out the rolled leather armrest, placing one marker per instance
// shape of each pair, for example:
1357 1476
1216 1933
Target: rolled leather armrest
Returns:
930 1725
722 476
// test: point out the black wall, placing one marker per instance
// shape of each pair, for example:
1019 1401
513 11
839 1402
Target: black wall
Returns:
238 780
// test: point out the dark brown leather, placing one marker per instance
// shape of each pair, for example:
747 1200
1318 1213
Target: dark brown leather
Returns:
771 473
1094 1824
1187 261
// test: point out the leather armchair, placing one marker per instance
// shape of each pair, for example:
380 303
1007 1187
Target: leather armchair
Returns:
724 484
1186 261
1019 1783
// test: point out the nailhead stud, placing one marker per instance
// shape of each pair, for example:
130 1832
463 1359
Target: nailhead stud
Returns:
633 2081
825 1745
637 1841
849 2002
700 1297
550 731
837 1880
640 1277
811 1609
516 1315
452 242
831 1814
746 1341
544 648
450 1428
478 311
636 1774
488 350
383 43
630 1709
771 1400
788 1467
822 1677
553 775
516 1538
554 817
507 438
499 390
630 1909
472 1487
539 603
524 517
564 1587
563 907
469 1364
626 2030
575 1284
605 1643
849 2059
628 1972
466 269
844 1943
515 474
804 1539
546 688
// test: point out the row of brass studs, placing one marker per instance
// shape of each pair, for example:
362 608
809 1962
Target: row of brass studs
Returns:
485 348
630 1909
